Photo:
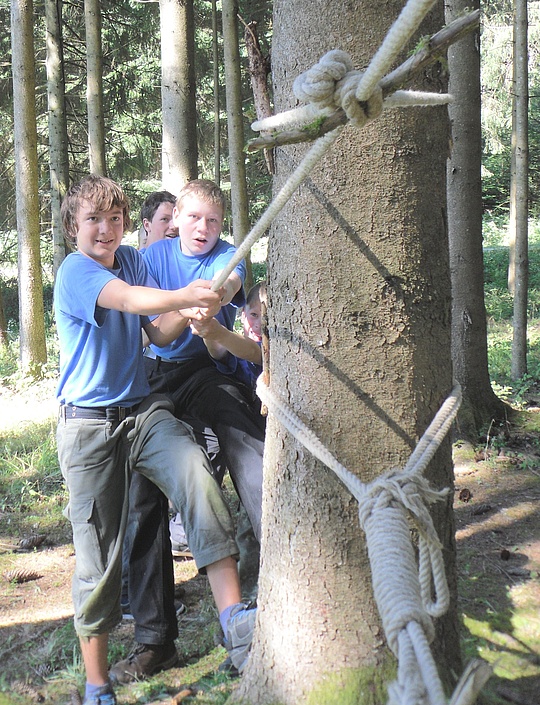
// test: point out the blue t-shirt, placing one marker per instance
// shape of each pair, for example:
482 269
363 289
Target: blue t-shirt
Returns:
172 269
101 361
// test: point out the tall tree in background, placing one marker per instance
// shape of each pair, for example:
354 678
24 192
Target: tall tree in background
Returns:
464 184
235 125
519 190
33 352
94 90
217 108
179 150
58 135
359 329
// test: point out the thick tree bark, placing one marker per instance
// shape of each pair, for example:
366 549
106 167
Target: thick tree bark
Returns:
179 148
359 327
94 87
58 136
469 326
33 350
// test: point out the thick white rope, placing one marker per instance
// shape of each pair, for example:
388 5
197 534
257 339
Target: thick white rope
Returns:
402 589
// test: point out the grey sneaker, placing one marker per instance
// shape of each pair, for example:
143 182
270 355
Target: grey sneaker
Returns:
239 635
104 696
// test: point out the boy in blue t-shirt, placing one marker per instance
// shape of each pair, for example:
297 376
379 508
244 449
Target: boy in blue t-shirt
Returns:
110 425
184 371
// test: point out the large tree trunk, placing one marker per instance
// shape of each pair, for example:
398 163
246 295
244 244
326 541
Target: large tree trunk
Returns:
179 148
33 350
469 326
58 136
359 326
94 87
519 189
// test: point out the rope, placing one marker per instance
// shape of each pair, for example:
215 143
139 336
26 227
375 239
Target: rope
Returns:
402 588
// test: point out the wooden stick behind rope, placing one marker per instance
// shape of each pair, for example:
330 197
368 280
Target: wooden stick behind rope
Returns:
265 344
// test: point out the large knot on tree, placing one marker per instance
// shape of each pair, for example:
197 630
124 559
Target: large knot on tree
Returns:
334 83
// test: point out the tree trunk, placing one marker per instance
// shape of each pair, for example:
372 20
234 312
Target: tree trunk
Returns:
519 190
33 350
235 126
94 87
179 148
217 122
58 136
359 327
469 326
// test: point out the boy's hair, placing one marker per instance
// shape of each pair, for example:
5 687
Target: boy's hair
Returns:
256 293
204 189
153 201
102 192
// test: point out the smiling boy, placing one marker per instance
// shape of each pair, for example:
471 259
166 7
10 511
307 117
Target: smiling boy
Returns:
184 371
110 425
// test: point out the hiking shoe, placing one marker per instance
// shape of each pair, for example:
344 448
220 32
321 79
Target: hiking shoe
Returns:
239 635
107 697
228 668
144 661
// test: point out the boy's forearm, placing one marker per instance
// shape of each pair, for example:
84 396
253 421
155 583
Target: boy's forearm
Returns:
232 286
166 328
236 344
146 301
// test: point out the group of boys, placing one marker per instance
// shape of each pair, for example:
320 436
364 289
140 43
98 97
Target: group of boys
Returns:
124 446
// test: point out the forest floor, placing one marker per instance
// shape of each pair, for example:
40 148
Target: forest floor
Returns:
497 500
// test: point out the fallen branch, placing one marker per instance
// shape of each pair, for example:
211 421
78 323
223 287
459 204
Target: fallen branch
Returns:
403 74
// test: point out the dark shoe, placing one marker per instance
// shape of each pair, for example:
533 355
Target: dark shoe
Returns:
144 661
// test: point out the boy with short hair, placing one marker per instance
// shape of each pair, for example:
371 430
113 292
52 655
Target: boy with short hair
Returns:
156 218
185 372
110 425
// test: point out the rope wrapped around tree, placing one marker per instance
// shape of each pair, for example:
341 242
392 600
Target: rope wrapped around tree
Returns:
409 594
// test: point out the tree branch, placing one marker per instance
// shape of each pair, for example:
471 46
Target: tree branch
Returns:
427 55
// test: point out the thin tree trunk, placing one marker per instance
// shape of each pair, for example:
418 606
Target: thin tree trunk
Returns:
217 122
179 147
235 125
58 135
469 325
94 87
520 189
33 352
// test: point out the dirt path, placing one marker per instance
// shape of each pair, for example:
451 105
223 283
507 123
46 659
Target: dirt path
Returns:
497 500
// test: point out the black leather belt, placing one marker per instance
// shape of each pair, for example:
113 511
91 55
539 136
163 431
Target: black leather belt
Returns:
110 413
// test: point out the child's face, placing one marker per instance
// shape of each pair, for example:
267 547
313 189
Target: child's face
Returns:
99 233
161 225
199 225
251 320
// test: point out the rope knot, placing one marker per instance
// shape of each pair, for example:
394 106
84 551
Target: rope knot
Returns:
333 83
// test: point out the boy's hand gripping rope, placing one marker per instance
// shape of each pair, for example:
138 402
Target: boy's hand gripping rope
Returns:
403 591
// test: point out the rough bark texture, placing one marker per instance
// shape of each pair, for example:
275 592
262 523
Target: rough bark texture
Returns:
359 325
94 87
58 137
33 351
179 148
469 327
